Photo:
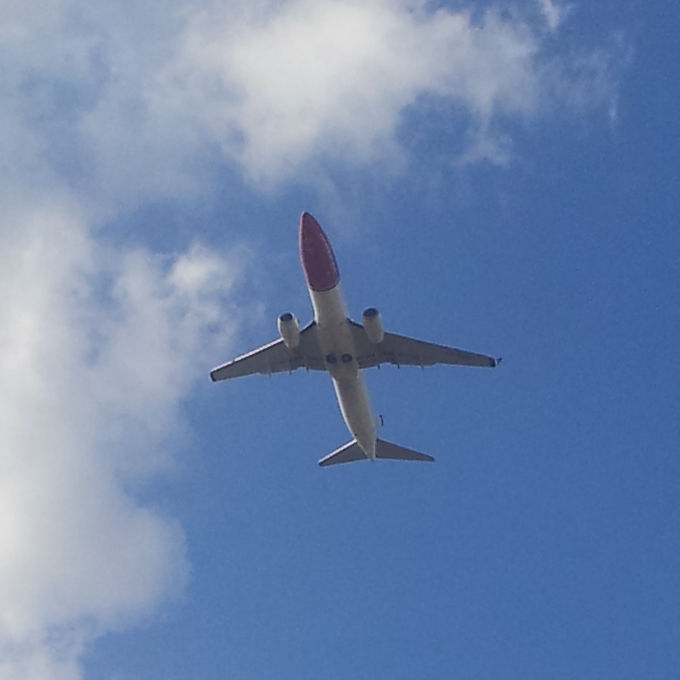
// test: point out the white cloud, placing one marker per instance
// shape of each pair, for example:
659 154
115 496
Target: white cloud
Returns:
553 12
332 79
146 97
97 349
325 80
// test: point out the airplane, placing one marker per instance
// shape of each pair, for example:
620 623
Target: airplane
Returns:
334 343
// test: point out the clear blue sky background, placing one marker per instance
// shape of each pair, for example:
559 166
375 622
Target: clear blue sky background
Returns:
544 541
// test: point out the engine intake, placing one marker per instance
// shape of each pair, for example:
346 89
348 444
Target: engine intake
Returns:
373 325
289 330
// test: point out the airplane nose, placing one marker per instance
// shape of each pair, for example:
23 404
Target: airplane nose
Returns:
316 254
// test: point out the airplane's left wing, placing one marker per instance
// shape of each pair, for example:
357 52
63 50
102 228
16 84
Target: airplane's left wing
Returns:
275 357
402 351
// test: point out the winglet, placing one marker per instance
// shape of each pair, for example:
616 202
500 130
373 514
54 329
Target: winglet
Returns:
497 362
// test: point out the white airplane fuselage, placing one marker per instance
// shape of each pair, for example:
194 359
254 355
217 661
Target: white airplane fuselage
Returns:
343 348
337 345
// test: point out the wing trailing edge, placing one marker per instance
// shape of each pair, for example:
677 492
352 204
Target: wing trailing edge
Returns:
275 357
403 351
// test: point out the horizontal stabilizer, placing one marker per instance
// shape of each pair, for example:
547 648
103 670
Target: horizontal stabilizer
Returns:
391 451
384 450
345 454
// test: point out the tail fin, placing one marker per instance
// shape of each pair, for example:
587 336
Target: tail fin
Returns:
385 450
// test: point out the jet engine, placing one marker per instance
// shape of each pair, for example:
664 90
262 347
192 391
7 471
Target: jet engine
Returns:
289 330
373 325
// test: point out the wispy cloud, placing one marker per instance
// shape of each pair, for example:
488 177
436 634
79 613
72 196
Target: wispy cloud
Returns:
553 12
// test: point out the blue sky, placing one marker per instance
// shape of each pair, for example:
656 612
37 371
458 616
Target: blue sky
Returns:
501 178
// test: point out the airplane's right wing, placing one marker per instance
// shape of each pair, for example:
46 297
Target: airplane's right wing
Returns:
275 357
402 351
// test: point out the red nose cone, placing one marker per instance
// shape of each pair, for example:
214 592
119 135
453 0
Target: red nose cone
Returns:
318 260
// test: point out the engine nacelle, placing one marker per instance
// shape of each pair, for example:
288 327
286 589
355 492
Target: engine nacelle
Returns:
373 325
289 330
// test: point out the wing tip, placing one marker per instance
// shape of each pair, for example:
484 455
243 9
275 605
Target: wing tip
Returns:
497 362
214 374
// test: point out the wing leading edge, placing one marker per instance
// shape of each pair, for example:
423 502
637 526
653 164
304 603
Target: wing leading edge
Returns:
402 351
275 357
399 350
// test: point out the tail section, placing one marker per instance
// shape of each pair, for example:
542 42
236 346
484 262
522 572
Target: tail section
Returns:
345 454
384 450
391 451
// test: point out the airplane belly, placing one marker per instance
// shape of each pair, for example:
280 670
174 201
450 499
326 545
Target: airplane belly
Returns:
355 406
334 334
329 307
335 339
